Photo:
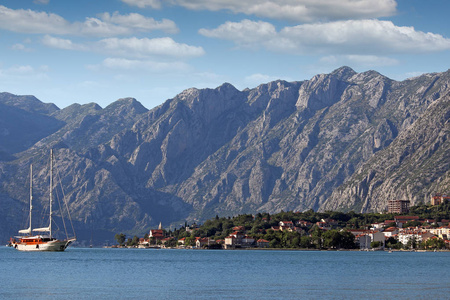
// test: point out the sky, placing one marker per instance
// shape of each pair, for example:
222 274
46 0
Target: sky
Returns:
84 51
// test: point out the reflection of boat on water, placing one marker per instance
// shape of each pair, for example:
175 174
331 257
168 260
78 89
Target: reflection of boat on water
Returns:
44 241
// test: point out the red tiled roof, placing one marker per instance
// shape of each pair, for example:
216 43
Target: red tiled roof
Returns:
406 218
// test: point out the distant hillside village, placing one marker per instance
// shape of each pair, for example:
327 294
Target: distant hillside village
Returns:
424 227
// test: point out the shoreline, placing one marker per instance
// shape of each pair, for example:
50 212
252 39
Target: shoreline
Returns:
275 249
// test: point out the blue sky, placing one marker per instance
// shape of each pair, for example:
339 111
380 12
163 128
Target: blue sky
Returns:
85 51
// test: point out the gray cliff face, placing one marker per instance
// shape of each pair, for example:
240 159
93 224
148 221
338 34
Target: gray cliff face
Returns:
343 140
414 166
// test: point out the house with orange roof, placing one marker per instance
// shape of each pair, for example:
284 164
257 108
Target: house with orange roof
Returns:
143 243
323 225
289 224
391 231
200 242
442 232
303 223
261 243
400 220
239 228
156 234
232 242
182 241
439 198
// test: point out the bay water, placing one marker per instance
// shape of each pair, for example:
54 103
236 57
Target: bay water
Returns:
96 273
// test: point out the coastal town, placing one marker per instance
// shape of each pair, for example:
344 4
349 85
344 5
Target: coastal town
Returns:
423 227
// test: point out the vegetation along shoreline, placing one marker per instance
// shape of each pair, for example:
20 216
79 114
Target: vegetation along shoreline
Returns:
423 227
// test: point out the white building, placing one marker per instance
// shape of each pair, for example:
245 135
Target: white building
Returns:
364 240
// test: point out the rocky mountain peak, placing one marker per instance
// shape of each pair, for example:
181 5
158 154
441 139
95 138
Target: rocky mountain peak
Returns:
126 106
343 73
323 90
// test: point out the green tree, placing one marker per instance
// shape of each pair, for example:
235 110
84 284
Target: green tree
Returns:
273 243
316 236
134 241
332 239
120 238
393 243
189 241
347 240
412 243
336 239
305 242
435 243
375 244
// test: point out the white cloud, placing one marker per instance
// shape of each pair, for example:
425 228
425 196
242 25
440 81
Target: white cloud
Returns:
364 61
293 10
142 65
41 1
59 43
23 72
129 47
21 69
29 21
135 47
20 47
156 4
357 37
245 33
139 22
96 27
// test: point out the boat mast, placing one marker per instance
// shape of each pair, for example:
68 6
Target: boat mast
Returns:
51 193
31 195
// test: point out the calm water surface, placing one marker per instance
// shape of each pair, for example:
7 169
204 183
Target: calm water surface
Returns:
208 274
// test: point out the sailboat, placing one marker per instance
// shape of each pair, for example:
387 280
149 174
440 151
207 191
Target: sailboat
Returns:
44 240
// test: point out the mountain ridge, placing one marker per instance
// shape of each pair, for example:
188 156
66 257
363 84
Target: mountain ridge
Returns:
206 152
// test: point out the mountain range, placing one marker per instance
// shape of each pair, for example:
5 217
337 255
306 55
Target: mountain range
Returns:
339 141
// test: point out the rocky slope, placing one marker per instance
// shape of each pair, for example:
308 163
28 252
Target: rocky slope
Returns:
413 167
343 140
24 120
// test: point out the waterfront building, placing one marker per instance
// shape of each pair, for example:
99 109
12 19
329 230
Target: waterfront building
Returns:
364 239
262 243
157 234
248 241
200 242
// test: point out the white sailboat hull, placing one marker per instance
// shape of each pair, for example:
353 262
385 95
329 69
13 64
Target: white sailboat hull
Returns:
39 242
55 245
